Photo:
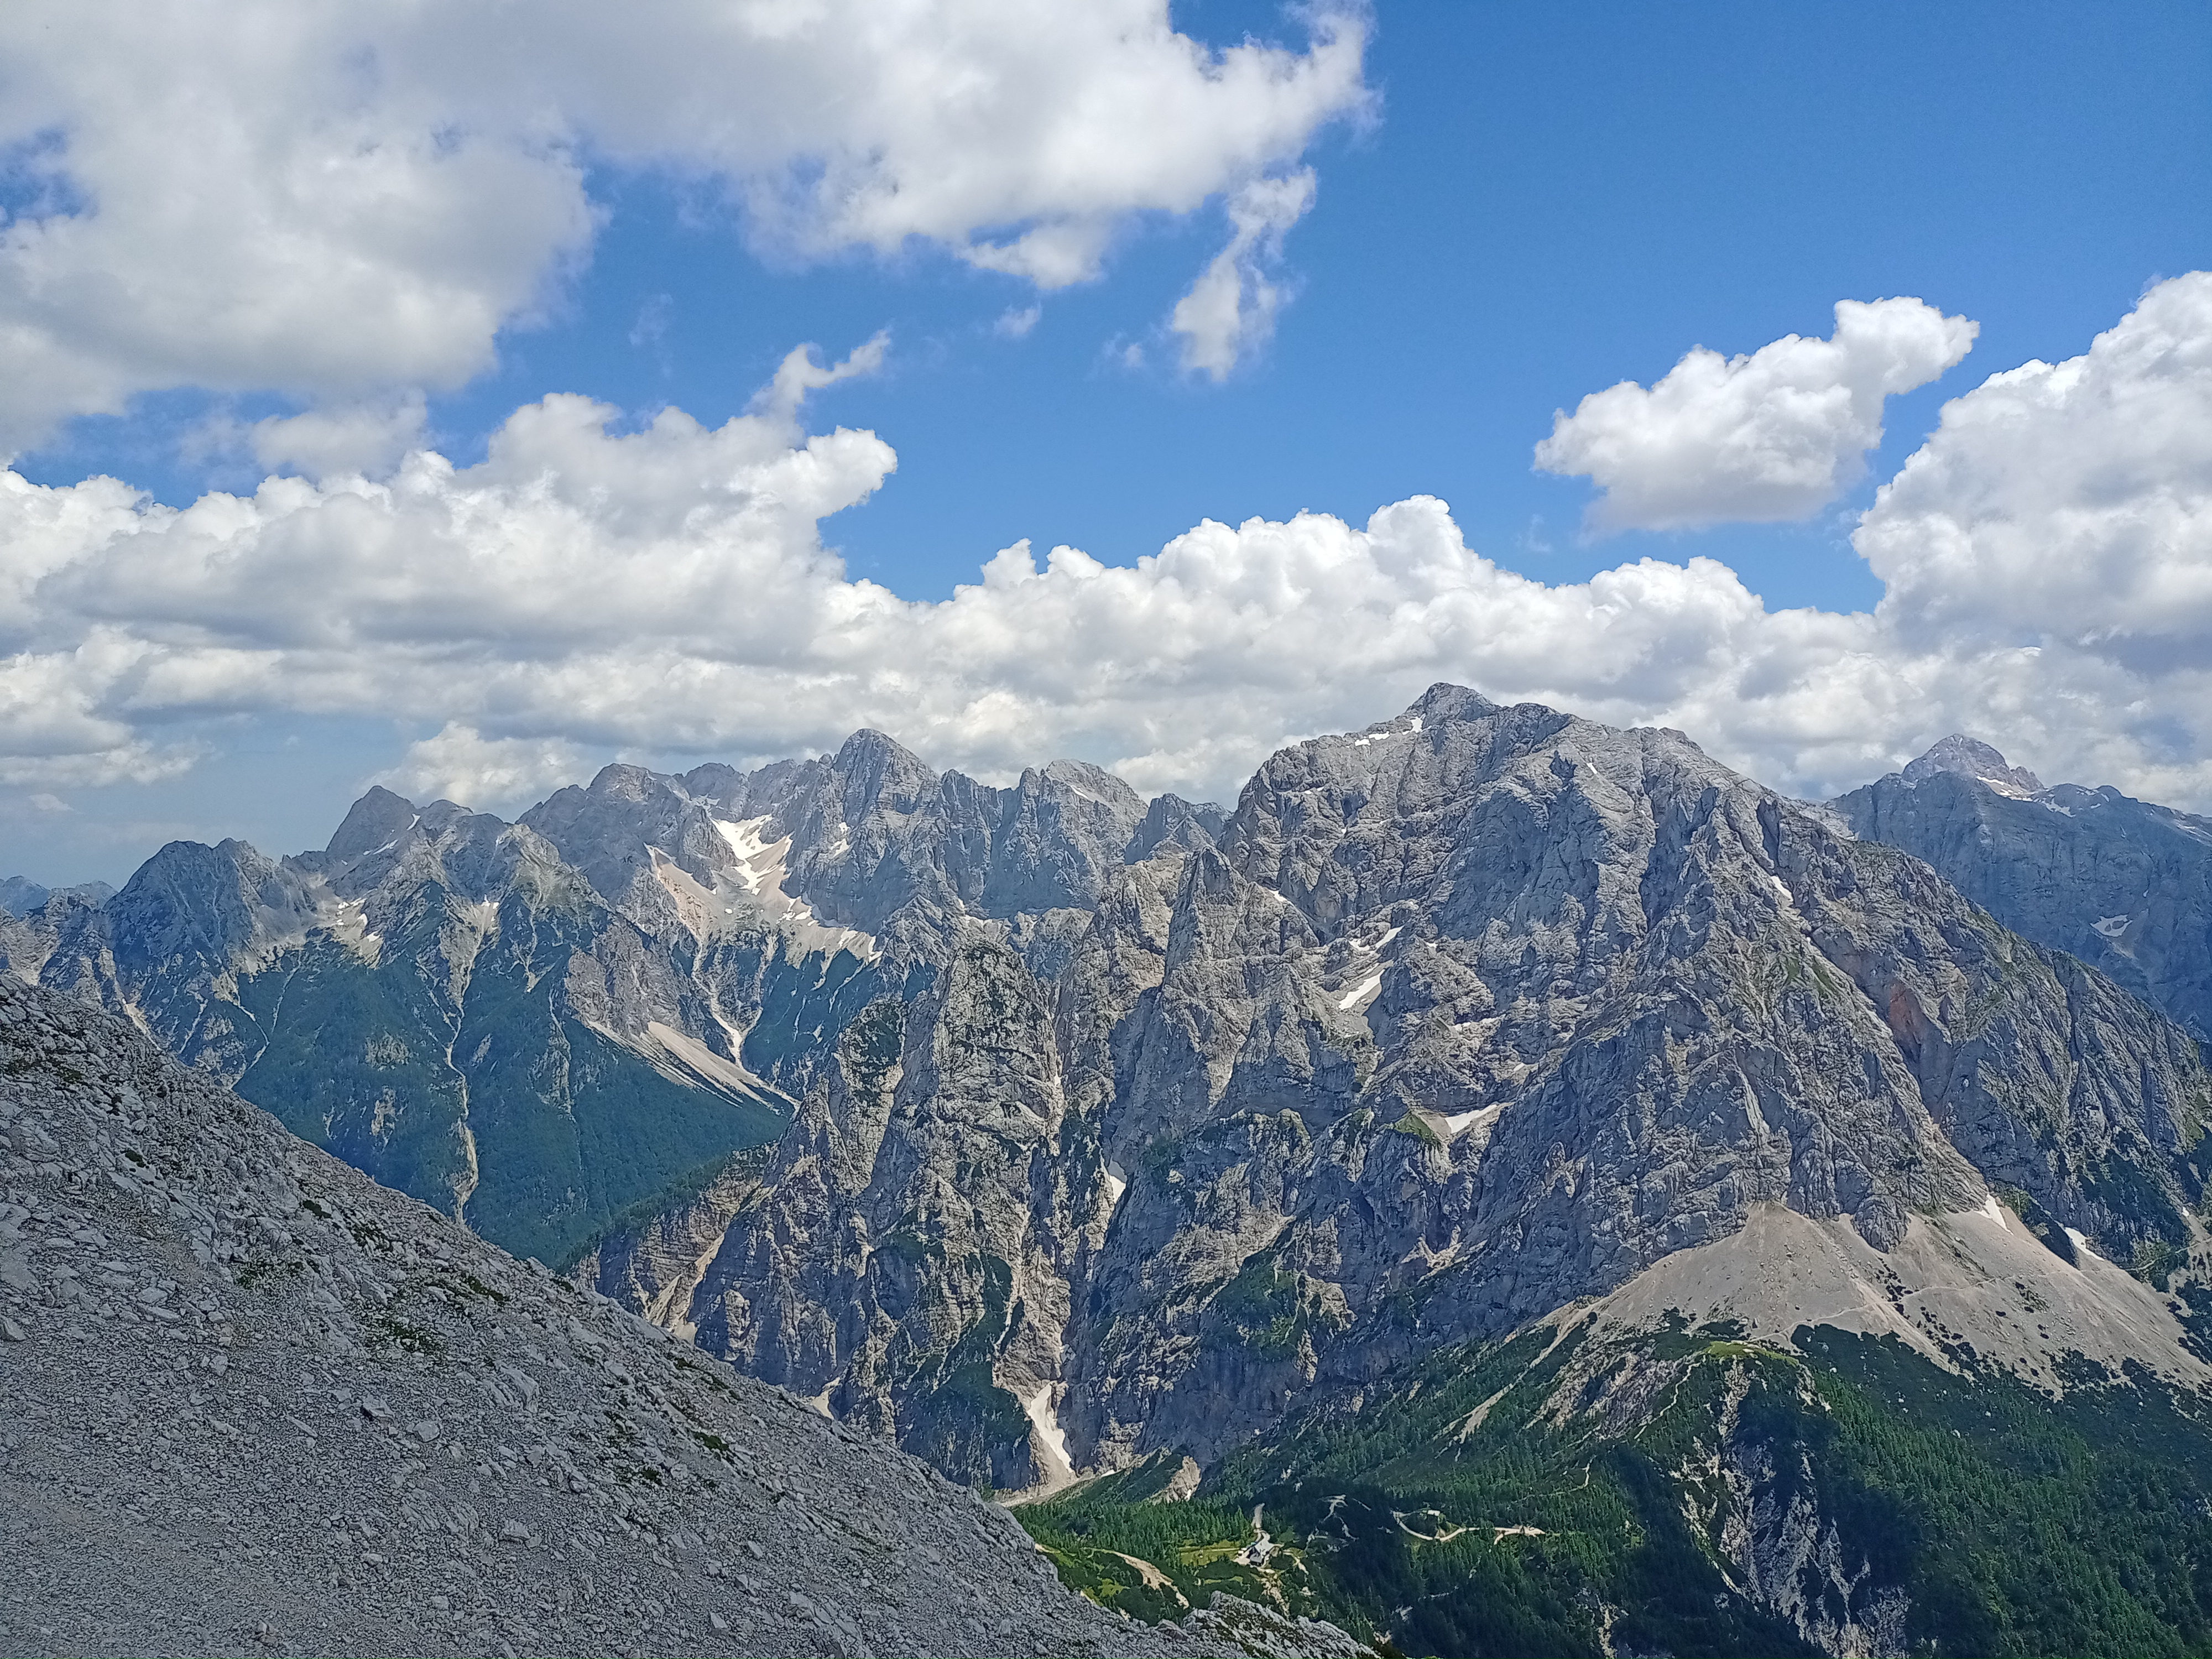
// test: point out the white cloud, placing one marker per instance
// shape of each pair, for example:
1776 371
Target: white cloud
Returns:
2066 509
357 438
2071 502
1013 325
346 203
1230 311
799 374
488 774
1777 434
666 592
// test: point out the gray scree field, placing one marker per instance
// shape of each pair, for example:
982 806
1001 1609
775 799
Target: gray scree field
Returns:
252 1402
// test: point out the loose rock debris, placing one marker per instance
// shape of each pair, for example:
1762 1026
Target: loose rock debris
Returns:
252 1403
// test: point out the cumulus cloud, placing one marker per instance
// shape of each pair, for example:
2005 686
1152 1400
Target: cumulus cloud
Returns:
345 203
2071 501
1777 434
460 763
355 438
1230 311
2067 509
585 591
798 375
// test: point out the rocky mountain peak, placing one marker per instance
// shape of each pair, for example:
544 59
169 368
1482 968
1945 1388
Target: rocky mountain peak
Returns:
1444 701
880 771
1970 757
1099 785
1171 824
376 820
622 781
610 830
2123 884
715 784
441 814
20 895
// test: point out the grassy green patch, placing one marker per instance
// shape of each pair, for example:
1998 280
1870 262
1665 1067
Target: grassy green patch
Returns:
1595 1505
1092 1531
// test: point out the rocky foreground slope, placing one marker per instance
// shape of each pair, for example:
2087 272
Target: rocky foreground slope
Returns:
252 1402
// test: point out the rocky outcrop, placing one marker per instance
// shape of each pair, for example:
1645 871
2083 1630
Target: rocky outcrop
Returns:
652 1263
2123 885
1775 1528
908 1260
256 1403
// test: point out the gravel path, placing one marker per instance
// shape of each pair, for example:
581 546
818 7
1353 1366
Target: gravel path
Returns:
252 1402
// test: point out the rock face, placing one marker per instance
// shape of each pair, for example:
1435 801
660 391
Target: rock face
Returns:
1466 1016
910 1258
653 1264
255 1403
2124 885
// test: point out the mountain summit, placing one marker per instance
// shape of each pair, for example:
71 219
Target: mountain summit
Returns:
1969 757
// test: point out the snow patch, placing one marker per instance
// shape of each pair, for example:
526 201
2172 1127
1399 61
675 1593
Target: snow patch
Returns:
1116 1184
349 928
2081 1243
760 872
1362 993
1459 1122
2110 926
1993 1209
755 853
1046 1421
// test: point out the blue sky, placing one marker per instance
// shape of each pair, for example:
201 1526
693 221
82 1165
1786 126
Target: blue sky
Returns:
1540 201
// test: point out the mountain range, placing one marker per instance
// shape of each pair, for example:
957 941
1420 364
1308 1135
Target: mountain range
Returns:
1083 1144
535 1025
